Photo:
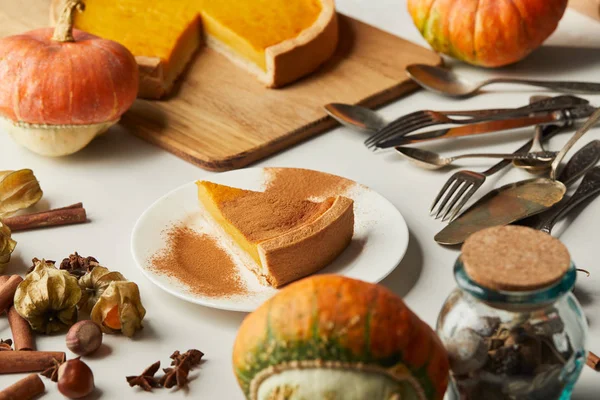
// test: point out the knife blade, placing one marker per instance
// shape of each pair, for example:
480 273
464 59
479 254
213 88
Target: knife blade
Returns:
494 209
503 206
582 111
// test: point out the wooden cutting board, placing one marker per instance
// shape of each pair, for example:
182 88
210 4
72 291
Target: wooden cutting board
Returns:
220 118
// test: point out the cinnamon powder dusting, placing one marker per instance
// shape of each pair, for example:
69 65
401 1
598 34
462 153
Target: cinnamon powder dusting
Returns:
197 261
301 184
261 217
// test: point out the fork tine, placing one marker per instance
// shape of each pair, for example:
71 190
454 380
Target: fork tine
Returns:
449 194
441 193
389 141
389 130
403 119
464 200
456 198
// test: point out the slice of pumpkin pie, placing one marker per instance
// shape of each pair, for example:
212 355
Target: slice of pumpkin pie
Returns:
279 41
286 240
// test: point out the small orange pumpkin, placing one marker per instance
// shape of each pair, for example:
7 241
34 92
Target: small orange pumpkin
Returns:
329 336
489 33
59 88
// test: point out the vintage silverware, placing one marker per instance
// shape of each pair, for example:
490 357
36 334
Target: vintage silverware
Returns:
519 200
556 117
588 188
421 119
443 81
581 162
537 147
431 160
356 117
534 164
451 202
503 206
592 120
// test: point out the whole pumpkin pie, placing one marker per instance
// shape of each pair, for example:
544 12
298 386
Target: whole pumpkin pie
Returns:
279 41
285 240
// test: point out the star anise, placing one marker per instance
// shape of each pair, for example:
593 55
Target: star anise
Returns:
35 261
175 376
192 357
182 363
146 380
77 265
52 372
6 345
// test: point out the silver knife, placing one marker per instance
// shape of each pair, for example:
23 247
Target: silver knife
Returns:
366 120
579 112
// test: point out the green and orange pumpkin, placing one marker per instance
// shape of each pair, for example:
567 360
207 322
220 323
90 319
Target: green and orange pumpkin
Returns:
331 337
489 33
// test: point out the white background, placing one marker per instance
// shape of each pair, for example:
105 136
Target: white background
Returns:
118 176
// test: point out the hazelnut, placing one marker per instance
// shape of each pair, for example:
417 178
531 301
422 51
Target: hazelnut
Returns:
75 379
85 337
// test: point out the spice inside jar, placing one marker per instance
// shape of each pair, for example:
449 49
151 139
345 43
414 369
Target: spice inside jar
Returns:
512 328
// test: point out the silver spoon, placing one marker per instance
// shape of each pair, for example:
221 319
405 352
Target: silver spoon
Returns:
536 164
591 121
356 117
446 82
431 160
536 147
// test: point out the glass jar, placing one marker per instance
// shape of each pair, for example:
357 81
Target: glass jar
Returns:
513 344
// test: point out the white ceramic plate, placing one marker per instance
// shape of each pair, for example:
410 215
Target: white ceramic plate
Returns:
378 245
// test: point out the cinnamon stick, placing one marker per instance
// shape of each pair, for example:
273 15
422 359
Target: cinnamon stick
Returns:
593 361
21 331
12 362
76 205
3 280
25 389
7 291
73 214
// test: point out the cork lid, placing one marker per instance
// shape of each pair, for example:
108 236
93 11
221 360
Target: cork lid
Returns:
514 258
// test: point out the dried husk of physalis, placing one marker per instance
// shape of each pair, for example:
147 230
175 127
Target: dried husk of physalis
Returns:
93 284
7 245
18 190
48 298
119 309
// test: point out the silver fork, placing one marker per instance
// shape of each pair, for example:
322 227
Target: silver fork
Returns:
425 118
467 182
418 120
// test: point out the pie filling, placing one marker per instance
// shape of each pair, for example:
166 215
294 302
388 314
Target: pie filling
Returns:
165 29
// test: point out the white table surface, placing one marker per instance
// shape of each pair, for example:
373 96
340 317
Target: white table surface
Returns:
118 176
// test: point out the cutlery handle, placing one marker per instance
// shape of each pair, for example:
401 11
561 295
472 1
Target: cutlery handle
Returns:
580 163
479 128
580 132
548 132
546 104
589 187
568 87
506 156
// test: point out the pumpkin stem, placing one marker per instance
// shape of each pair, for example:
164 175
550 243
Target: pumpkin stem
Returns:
64 28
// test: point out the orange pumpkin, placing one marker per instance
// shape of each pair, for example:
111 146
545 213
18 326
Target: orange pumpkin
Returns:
333 336
61 87
489 33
